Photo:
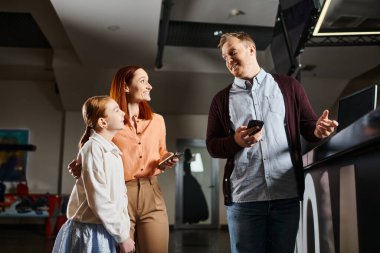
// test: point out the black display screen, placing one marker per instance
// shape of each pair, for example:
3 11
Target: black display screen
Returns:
356 105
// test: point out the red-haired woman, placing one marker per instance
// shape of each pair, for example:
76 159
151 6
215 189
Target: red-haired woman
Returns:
143 144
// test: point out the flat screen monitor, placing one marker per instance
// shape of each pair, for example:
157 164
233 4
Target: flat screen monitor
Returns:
356 105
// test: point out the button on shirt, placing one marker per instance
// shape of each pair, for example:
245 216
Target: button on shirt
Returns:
263 171
142 145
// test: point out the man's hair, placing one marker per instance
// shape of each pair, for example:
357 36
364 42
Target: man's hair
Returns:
243 36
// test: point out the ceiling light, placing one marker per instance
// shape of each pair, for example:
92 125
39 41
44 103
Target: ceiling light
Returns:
236 12
218 33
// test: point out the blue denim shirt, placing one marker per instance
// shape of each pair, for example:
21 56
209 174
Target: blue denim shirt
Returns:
263 171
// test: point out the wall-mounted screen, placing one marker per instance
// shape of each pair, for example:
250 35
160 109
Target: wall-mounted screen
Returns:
356 105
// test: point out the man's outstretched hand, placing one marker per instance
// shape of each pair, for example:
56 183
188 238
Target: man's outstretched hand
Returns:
325 126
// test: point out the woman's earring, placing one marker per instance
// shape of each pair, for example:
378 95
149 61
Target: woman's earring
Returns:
126 89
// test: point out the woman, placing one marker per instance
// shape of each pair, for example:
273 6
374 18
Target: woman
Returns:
143 144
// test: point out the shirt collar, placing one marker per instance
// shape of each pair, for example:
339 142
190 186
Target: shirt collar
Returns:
107 146
246 84
260 76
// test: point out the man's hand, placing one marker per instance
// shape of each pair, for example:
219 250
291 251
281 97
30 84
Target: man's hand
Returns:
244 139
325 126
75 169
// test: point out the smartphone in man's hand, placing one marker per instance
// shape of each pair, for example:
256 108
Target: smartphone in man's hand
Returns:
258 124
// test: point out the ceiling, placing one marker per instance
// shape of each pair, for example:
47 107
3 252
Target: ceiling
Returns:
349 16
84 41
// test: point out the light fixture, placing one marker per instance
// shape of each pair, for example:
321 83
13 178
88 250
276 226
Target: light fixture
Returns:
218 33
236 12
317 31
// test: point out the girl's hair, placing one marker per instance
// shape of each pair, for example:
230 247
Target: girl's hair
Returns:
122 78
93 109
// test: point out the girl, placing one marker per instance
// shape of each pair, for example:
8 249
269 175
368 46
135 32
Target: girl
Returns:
98 219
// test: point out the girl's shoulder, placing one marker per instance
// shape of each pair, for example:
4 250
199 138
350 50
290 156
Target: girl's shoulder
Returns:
93 145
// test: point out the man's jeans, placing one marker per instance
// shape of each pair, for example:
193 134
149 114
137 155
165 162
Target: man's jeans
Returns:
264 226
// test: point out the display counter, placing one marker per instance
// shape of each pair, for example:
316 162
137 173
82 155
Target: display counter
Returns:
35 206
341 207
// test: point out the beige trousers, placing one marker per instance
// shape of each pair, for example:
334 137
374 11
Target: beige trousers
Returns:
149 218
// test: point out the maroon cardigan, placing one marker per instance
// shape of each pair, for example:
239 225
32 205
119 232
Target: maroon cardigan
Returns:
299 119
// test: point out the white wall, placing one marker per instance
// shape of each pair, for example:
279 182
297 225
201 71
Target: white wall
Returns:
35 106
74 128
323 92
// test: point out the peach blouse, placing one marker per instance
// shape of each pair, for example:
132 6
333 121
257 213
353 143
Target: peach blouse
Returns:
142 147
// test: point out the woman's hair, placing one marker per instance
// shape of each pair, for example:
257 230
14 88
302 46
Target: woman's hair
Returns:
122 78
93 109
243 36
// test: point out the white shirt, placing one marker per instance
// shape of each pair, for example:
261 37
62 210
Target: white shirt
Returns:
100 196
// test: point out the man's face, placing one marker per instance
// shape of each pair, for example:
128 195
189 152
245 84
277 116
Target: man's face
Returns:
240 57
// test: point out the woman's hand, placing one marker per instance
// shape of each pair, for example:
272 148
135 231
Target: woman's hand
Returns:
168 163
75 169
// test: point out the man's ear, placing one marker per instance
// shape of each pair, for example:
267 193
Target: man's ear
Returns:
252 49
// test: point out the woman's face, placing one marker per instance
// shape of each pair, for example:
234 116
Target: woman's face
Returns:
139 88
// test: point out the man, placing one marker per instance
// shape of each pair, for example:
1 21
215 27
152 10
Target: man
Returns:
263 178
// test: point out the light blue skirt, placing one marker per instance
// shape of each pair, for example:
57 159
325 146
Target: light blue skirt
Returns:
83 238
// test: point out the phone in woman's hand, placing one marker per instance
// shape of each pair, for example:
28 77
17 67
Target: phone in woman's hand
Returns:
169 157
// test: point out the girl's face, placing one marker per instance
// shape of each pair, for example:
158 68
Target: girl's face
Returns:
139 88
115 116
